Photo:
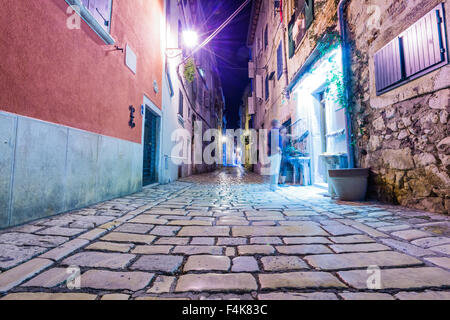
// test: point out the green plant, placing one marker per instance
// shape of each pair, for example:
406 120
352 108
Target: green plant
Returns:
330 41
189 70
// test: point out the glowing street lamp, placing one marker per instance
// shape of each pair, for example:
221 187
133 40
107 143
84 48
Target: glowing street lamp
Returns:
190 38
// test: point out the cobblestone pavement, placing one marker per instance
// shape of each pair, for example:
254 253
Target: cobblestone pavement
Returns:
225 236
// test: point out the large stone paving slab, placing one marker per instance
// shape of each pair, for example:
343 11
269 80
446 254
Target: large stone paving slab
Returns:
216 282
207 262
303 249
27 239
49 279
187 250
244 264
129 237
283 263
65 249
11 255
17 275
361 260
303 229
99 260
403 278
298 296
32 296
109 280
299 280
364 247
193 231
61 231
426 295
163 263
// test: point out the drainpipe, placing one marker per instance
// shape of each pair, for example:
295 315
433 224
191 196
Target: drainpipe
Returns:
286 47
346 66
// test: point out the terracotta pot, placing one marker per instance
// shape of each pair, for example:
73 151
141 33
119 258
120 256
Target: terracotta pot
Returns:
349 184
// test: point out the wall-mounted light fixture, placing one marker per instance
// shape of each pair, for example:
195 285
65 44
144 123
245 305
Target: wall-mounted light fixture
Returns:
190 40
131 122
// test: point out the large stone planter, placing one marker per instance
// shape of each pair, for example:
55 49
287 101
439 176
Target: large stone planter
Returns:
349 184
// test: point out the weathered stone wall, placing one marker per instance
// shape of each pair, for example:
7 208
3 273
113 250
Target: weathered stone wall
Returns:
325 21
402 135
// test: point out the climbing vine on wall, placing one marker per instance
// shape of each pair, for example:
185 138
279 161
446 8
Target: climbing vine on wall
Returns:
189 70
328 42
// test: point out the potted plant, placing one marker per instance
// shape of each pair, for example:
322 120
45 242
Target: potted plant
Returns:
349 184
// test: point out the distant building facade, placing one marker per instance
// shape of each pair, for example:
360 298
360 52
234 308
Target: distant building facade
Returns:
246 112
186 102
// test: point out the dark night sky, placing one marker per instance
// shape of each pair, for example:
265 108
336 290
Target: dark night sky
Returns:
231 51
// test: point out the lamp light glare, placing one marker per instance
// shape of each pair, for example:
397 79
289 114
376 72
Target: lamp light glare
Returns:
190 38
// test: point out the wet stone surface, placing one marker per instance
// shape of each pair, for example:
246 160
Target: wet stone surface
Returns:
224 235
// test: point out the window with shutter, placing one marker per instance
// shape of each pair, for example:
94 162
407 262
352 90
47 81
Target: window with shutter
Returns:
266 37
419 50
291 39
267 87
423 43
309 12
279 60
259 86
251 69
251 105
301 20
388 66
97 14
102 12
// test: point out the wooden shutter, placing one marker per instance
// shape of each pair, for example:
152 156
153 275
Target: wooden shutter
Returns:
423 43
259 86
266 37
280 60
251 105
309 12
251 69
388 68
267 86
291 39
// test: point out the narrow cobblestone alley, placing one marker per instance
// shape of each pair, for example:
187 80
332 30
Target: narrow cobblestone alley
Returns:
223 236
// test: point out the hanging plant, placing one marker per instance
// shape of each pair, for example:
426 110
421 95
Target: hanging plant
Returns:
189 70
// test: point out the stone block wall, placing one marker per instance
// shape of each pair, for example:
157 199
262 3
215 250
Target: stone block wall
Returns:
403 134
